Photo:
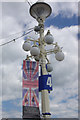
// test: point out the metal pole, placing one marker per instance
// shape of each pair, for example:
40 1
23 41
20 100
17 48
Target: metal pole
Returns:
44 93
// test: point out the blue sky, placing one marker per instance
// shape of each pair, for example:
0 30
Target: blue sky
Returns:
8 105
64 27
61 22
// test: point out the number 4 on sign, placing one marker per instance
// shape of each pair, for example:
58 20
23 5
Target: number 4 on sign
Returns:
49 82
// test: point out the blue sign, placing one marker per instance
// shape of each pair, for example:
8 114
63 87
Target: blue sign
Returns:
45 82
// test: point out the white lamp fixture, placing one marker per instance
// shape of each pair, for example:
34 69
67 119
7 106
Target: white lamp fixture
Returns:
59 56
56 49
49 67
35 51
37 58
26 46
40 10
48 38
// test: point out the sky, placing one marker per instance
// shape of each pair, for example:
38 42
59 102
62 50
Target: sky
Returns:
63 25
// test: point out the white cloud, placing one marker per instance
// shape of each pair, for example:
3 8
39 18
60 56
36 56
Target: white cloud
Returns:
31 1
66 10
12 81
0 62
11 114
61 105
0 20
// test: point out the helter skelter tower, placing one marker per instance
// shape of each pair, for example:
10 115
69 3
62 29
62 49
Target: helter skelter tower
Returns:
40 11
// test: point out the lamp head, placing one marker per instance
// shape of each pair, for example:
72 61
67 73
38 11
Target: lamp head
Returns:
40 10
35 51
49 67
26 46
37 58
48 38
59 56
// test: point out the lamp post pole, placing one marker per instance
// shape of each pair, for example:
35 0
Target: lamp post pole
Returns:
40 11
44 93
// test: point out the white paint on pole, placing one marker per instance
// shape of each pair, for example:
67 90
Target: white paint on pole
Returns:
44 93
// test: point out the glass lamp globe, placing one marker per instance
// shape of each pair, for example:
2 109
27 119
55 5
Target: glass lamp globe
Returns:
40 10
35 51
26 46
48 38
49 67
37 58
59 56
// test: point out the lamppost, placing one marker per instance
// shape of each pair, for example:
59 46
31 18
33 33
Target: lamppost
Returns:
40 11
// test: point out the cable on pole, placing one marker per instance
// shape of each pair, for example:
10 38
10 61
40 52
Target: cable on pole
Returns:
13 40
28 3
32 9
